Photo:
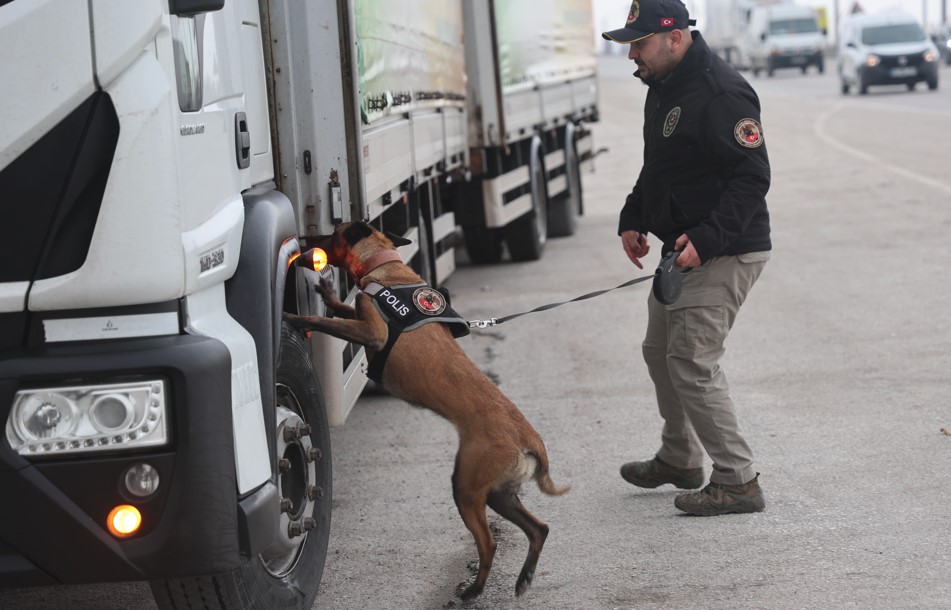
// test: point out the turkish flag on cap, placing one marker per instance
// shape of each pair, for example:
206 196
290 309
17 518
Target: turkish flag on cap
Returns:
666 22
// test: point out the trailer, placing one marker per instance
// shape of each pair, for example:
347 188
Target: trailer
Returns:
162 162
532 91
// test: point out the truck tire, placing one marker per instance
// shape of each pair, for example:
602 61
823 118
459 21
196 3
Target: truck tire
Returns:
483 245
526 235
287 574
564 209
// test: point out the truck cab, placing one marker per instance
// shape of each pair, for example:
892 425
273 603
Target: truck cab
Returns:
783 36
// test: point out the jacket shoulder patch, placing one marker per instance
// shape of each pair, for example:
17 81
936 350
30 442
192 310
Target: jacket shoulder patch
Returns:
748 133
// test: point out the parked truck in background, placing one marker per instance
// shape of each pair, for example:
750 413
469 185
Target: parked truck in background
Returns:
532 88
161 164
761 35
781 36
722 23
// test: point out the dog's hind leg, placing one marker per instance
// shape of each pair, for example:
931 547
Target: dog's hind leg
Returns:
506 503
471 505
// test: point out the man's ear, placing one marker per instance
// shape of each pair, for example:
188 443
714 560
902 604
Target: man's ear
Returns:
356 231
398 240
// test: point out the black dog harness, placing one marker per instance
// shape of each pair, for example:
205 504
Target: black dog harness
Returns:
406 308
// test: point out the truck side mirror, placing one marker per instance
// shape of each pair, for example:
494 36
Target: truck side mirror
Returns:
850 45
189 8
762 36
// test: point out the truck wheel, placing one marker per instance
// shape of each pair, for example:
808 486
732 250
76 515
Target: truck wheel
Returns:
526 235
287 574
933 83
564 209
863 85
484 246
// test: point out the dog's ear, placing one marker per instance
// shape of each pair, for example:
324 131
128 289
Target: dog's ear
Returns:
356 231
398 240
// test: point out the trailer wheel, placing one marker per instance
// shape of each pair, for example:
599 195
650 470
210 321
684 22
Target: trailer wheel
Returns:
564 209
526 235
287 574
484 246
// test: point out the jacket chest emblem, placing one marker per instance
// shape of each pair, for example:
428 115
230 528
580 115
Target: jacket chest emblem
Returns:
670 123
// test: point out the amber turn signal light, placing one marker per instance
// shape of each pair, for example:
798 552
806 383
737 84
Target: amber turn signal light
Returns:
315 259
124 521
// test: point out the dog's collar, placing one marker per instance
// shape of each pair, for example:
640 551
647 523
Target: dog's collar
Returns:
380 258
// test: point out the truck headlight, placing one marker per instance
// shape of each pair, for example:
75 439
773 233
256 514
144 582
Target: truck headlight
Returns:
930 56
872 60
82 419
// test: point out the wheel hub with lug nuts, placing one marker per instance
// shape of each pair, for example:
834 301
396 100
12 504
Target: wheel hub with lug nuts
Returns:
297 473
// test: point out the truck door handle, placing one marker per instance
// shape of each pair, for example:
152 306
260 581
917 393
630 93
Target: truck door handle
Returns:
242 140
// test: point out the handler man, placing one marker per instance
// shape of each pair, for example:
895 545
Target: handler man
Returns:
701 191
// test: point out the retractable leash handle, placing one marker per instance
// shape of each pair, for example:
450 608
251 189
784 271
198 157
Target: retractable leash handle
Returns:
668 279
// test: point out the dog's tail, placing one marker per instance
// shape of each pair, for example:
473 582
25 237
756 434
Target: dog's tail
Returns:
541 476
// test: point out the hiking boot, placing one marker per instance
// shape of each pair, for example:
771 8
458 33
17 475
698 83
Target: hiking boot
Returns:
654 473
719 499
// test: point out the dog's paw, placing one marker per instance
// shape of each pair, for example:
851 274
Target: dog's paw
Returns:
326 289
470 591
524 581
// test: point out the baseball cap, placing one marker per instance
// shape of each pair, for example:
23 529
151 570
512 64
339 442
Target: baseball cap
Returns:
648 17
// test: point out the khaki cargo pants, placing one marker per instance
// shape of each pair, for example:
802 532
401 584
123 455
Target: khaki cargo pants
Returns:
682 348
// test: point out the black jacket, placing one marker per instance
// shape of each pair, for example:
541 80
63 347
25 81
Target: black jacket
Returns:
706 171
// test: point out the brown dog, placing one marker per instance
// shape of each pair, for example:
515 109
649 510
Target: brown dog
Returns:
498 449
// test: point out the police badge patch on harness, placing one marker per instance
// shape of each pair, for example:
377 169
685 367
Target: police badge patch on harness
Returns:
429 301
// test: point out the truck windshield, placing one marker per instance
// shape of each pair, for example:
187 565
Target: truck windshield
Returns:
888 34
793 26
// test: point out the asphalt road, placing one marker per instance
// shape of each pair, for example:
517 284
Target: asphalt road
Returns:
838 364
839 367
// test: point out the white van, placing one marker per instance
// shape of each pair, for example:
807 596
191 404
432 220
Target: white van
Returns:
783 36
887 48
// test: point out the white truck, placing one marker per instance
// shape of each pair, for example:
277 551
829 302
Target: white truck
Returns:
761 35
782 36
161 164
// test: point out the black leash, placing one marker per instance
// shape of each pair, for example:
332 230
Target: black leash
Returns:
668 283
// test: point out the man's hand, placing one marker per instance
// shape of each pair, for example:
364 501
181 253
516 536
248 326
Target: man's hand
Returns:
688 254
635 246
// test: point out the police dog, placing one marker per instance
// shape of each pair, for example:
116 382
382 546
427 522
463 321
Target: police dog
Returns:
498 449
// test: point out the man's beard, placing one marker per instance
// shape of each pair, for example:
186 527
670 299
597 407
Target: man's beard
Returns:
650 82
